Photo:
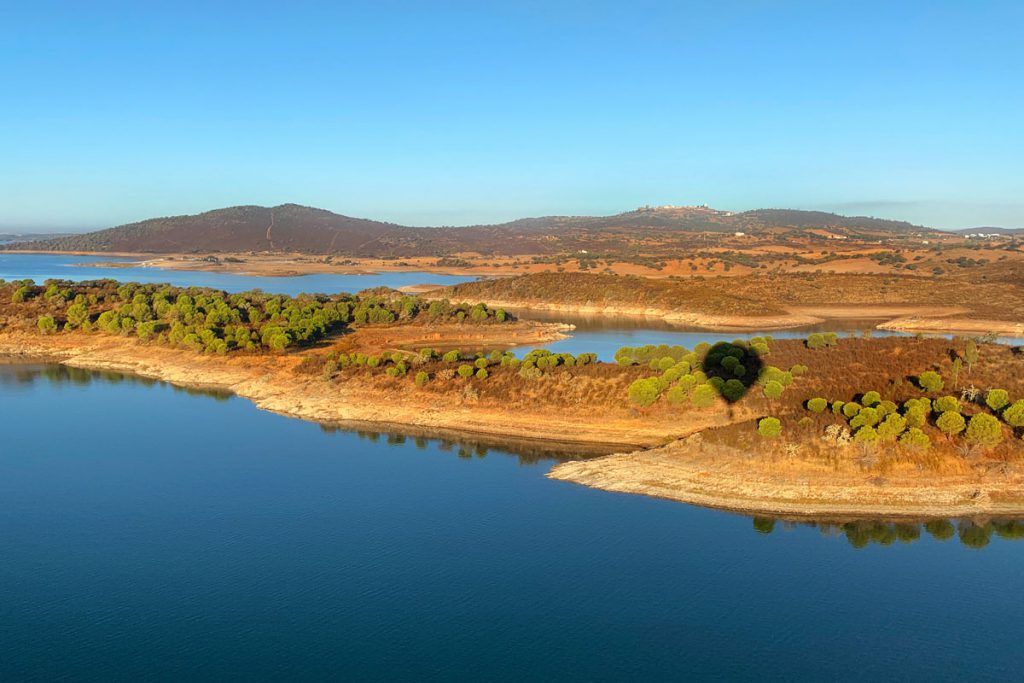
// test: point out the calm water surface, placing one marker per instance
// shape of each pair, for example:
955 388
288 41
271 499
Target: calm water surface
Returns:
152 533
41 267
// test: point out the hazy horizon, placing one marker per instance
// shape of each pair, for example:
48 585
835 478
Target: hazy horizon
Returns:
453 113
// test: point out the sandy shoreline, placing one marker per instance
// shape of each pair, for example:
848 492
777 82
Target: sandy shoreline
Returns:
678 472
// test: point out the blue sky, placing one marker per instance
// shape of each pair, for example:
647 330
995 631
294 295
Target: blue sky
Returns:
435 113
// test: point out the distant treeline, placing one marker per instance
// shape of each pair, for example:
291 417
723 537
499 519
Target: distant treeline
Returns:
214 321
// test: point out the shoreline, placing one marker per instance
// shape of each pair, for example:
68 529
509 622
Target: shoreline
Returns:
270 383
678 471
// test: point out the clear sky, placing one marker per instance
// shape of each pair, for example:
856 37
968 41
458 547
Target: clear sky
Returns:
435 113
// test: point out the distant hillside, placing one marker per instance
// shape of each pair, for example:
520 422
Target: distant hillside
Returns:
990 231
294 228
813 219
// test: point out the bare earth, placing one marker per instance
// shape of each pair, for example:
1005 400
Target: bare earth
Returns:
681 471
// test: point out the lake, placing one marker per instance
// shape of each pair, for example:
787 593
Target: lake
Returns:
41 267
154 533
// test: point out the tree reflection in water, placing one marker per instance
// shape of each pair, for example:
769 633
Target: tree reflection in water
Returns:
973 533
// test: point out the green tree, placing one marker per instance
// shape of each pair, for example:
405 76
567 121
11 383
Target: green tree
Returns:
971 354
867 417
675 395
957 365
77 314
997 399
422 378
816 341
891 427
951 423
47 325
703 396
733 390
930 381
769 427
465 371
870 399
944 404
1014 415
851 409
772 390
481 373
984 430
817 405
644 392
866 436
915 440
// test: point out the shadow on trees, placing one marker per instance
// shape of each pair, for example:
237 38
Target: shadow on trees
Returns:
732 369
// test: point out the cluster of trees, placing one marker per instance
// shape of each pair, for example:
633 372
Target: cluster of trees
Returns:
433 365
872 419
821 340
697 378
213 321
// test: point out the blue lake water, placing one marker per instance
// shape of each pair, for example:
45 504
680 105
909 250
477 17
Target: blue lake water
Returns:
41 267
156 534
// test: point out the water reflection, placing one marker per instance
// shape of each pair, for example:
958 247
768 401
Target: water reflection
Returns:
973 533
526 451
23 375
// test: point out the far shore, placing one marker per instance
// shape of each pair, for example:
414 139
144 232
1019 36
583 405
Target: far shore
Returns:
913 319
661 455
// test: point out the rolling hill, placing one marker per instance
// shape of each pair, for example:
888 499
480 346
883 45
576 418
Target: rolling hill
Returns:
294 228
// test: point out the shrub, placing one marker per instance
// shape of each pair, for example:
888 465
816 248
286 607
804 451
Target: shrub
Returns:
422 378
644 392
817 405
465 371
798 370
984 430
951 423
997 399
930 381
769 427
47 325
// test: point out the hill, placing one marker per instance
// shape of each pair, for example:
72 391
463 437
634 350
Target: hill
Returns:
989 230
294 228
